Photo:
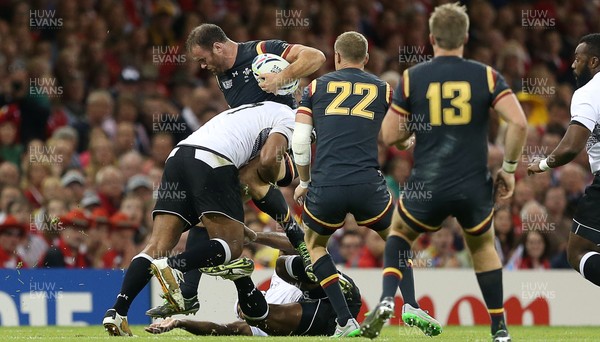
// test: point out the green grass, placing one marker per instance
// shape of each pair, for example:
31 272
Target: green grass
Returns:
389 334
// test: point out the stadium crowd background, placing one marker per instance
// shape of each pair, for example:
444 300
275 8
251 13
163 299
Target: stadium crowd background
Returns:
94 95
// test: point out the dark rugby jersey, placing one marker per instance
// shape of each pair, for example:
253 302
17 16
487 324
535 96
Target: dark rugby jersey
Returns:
239 85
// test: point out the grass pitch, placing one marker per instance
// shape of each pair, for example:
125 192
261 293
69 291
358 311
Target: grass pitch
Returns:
401 333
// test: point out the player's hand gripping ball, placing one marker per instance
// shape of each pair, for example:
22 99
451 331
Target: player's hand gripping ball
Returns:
270 63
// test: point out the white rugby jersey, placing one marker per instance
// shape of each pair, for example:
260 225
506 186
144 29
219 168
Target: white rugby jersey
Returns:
585 109
240 133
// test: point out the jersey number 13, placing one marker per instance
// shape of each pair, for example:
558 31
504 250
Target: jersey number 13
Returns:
459 94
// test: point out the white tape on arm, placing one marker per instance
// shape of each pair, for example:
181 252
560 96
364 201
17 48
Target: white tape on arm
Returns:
301 143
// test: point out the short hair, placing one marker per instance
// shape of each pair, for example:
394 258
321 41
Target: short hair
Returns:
592 42
352 46
449 25
205 36
100 96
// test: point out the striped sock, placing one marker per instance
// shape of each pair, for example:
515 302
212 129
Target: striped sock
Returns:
490 283
329 279
398 271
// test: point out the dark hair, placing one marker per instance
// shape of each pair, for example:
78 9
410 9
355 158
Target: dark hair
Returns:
592 41
205 36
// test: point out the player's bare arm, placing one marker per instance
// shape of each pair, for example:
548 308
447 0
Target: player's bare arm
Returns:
301 148
569 147
200 328
275 240
394 131
303 60
510 110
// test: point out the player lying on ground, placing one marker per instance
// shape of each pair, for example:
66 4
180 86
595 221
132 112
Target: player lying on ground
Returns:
452 96
297 306
583 250
204 167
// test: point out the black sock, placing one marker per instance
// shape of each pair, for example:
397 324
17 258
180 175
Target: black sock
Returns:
251 300
274 205
191 278
329 279
591 267
298 269
397 270
490 283
137 276
204 254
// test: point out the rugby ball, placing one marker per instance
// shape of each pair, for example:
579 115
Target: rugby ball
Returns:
268 62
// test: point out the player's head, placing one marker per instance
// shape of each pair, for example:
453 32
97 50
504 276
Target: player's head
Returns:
206 45
351 48
587 58
449 26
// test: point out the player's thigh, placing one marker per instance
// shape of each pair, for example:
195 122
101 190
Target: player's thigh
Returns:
173 194
218 204
372 205
585 231
283 319
474 210
421 211
325 209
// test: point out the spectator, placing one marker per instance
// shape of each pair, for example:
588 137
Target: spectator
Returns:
351 244
110 185
11 235
9 174
122 248
532 253
70 251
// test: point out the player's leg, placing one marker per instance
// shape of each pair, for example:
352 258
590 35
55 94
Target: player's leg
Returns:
165 233
412 217
584 257
189 285
475 214
323 206
583 248
170 219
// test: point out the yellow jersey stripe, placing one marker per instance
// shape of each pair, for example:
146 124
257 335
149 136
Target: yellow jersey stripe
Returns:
260 49
490 79
406 82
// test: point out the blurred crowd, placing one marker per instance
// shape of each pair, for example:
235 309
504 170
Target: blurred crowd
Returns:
94 94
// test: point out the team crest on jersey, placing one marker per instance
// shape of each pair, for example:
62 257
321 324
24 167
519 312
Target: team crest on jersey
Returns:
227 84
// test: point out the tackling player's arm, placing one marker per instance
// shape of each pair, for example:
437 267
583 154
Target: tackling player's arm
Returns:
304 60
